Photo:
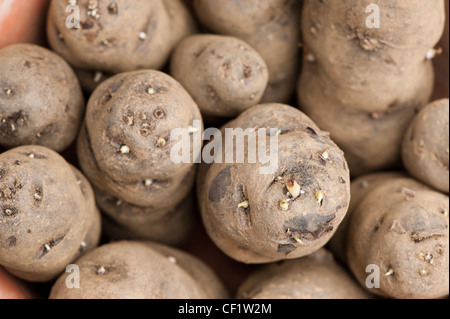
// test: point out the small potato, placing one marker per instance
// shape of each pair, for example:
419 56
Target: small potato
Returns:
126 221
224 75
257 218
48 215
119 36
405 233
270 27
425 148
316 276
41 102
125 145
140 270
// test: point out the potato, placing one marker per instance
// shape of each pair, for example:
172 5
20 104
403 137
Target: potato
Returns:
223 74
426 146
271 27
47 213
359 188
258 218
126 221
405 233
125 146
316 276
140 270
41 102
119 36
362 84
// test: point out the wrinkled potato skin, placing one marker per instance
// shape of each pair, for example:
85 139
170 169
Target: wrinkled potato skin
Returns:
316 276
395 227
167 226
41 102
263 232
223 74
425 149
43 202
140 270
271 27
165 23
120 113
340 88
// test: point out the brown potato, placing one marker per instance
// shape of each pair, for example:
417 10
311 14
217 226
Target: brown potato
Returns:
125 146
405 233
48 215
425 148
359 188
316 276
223 74
41 102
119 36
254 217
364 84
271 27
140 270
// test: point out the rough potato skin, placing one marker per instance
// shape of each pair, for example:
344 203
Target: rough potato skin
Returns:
425 149
359 188
126 139
140 270
47 213
113 43
263 232
405 232
346 66
269 26
223 74
41 102
316 276
167 226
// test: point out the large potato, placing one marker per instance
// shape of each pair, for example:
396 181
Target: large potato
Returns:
292 212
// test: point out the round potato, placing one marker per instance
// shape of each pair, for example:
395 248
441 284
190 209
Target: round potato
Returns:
47 213
118 36
404 232
425 148
41 102
125 146
291 211
271 27
316 276
223 74
140 270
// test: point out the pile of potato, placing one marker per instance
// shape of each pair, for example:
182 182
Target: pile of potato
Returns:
357 206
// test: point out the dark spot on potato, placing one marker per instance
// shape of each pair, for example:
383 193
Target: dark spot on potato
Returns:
310 130
313 224
116 86
247 71
2 173
159 114
341 180
286 248
28 231
219 185
87 25
113 8
27 64
11 241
